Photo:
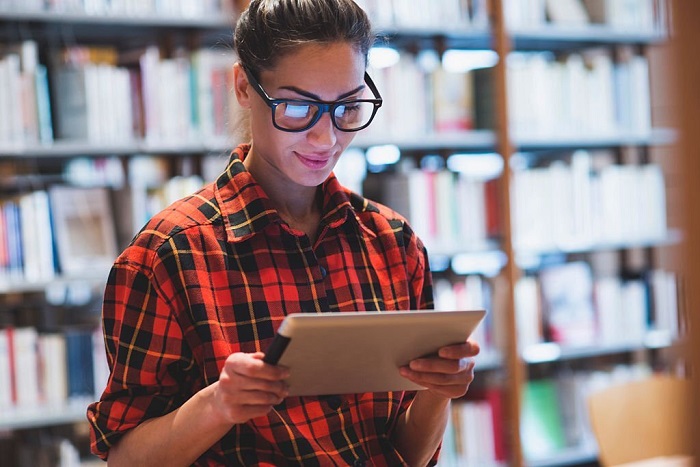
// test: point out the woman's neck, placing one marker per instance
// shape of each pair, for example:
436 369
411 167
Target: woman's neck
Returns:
300 206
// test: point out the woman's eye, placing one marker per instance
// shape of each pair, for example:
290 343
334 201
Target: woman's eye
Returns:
345 110
296 111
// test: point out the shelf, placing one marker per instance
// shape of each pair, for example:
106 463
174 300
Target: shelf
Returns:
657 137
471 141
64 149
553 37
477 261
477 140
530 258
149 21
552 352
100 29
466 38
10 286
569 456
16 419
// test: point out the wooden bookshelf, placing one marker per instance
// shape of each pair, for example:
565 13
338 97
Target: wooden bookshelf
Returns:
686 99
512 364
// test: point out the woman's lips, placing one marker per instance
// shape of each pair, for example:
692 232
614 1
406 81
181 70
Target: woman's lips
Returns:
315 162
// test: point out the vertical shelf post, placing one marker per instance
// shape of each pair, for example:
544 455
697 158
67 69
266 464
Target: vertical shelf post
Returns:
687 39
513 364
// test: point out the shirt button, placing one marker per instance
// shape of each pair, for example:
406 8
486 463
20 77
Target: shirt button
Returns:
334 402
359 462
324 272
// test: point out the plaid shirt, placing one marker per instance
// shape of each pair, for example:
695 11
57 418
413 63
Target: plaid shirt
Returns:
216 273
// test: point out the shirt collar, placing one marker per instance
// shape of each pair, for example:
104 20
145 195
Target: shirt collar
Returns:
247 210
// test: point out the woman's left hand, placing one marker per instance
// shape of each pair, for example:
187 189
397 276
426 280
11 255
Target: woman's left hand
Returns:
448 374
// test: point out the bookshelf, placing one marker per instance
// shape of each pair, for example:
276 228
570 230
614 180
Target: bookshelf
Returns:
495 125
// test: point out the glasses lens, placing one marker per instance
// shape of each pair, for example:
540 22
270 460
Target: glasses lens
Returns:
295 115
353 115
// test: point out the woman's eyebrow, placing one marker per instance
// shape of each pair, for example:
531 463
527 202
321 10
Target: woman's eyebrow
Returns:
313 96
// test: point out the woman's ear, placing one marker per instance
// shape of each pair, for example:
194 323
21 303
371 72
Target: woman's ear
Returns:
241 86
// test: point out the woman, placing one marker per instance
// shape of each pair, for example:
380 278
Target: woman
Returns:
194 300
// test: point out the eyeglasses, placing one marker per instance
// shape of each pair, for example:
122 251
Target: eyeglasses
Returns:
295 115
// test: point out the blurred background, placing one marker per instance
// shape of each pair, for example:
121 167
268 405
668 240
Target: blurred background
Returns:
544 150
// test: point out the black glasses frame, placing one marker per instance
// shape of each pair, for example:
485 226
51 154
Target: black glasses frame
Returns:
323 106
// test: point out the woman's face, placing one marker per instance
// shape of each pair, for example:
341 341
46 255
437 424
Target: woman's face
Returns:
313 72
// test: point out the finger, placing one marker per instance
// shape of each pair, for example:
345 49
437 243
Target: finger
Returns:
251 365
441 365
457 351
437 379
279 388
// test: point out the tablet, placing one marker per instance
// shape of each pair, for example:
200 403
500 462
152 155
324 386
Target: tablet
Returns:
357 352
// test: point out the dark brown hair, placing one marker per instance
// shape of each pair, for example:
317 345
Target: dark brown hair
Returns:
269 29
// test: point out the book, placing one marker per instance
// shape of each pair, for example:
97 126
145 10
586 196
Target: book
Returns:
567 12
84 229
541 428
567 298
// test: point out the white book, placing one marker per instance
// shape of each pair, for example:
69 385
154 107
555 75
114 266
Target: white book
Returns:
567 12
527 309
635 308
470 197
640 95
652 189
5 103
561 218
601 102
99 362
665 302
29 236
6 376
608 305
446 212
16 133
582 197
54 372
26 364
419 204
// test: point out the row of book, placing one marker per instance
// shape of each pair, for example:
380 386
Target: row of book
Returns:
586 202
426 13
425 95
555 412
102 96
141 95
49 369
474 436
449 211
25 108
568 305
471 292
630 15
578 94
549 96
170 8
64 229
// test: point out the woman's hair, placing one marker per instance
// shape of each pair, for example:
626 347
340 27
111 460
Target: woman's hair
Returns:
269 29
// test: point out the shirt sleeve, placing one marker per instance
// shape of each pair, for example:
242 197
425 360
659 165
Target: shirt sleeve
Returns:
149 361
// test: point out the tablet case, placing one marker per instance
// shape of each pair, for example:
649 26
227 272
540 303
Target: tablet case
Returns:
357 352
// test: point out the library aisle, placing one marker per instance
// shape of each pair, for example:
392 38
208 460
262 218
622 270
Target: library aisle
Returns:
540 148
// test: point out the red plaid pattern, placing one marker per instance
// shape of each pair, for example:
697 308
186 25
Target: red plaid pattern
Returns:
216 273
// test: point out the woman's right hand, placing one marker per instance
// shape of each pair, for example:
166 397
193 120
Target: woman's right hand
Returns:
249 388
